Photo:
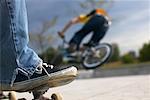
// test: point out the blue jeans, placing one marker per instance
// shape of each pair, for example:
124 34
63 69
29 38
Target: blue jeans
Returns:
14 51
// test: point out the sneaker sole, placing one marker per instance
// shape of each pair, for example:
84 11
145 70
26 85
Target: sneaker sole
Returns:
55 79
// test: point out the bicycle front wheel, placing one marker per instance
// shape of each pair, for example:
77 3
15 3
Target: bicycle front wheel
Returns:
97 56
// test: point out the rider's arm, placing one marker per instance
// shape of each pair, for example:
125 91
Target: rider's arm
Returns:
68 25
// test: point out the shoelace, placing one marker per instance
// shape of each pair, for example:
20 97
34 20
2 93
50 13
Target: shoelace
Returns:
40 68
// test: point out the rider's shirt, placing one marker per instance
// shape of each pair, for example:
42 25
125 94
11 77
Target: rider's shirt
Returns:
83 18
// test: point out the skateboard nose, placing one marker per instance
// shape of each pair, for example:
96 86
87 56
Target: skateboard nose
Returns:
72 71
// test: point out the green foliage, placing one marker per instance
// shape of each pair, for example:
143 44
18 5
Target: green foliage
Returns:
116 53
40 40
48 55
127 58
145 52
52 56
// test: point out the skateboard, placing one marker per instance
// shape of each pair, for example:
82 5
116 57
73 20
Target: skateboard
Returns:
57 79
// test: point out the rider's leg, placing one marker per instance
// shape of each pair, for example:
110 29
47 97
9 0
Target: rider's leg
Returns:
99 31
76 40
85 30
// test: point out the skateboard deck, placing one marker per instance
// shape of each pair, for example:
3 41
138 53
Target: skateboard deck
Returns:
59 78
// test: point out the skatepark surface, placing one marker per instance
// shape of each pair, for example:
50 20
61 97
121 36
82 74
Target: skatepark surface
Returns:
110 88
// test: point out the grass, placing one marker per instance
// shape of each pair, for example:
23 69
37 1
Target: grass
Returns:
119 64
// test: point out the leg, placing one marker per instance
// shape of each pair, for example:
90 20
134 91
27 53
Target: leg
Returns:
76 39
98 35
86 29
14 40
7 49
99 31
26 58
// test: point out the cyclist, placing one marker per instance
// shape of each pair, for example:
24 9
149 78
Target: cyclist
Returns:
97 21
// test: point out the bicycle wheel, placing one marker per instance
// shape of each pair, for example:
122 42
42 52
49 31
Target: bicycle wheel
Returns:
97 56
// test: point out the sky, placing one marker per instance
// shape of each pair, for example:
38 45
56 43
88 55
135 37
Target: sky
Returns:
130 20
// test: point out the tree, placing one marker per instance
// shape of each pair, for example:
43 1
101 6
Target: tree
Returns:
48 54
127 58
96 3
116 53
40 39
145 52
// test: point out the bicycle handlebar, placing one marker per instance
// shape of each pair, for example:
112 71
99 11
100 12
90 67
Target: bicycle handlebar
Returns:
60 35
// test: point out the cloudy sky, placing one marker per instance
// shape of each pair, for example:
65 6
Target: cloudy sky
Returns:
130 27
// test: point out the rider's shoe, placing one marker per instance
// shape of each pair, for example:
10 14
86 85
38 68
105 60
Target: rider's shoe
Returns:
72 48
41 76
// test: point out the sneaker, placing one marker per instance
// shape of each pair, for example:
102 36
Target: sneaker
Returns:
72 48
42 75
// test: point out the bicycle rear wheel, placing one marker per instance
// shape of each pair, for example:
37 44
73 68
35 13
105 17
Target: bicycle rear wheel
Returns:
97 56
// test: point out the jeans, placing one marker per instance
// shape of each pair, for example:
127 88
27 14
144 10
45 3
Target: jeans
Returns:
97 24
15 55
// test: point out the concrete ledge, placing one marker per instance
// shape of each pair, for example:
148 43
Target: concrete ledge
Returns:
140 69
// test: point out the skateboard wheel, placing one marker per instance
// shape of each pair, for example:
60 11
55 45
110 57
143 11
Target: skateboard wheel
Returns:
56 96
12 95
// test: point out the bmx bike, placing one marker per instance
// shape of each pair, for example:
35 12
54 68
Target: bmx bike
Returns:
90 57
